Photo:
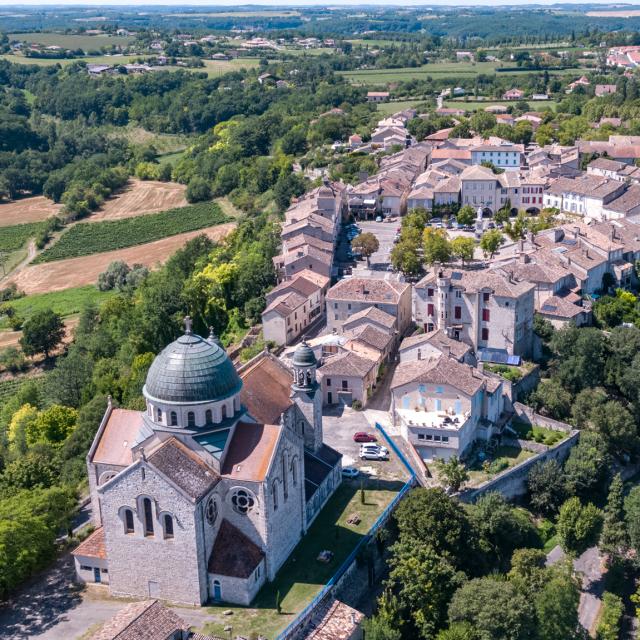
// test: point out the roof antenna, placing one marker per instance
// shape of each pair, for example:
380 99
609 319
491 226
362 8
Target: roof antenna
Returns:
187 325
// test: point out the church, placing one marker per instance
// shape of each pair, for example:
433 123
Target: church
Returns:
203 496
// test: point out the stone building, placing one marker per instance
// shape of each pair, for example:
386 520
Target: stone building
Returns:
204 495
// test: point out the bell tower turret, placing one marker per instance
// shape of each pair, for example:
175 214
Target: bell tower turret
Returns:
305 394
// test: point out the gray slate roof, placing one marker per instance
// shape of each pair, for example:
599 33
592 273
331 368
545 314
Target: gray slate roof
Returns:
192 369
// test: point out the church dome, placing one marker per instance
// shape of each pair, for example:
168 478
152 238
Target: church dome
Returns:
303 356
190 370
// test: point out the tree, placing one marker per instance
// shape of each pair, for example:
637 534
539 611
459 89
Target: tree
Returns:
617 427
423 583
578 526
587 467
458 631
632 517
609 625
614 539
453 472
42 333
528 570
429 516
466 215
544 135
490 242
462 248
115 276
68 383
376 628
495 609
52 425
21 422
556 604
546 487
482 121
551 399
436 245
405 258
198 190
366 244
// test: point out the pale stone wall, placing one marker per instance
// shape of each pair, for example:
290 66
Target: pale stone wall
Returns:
85 569
152 566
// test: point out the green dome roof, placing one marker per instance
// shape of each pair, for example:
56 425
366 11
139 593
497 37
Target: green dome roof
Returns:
303 356
192 369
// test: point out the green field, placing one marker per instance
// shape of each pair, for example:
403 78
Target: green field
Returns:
67 41
65 303
15 237
86 238
302 576
374 43
387 108
439 69
215 68
10 386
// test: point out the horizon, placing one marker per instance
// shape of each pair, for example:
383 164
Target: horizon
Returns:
306 3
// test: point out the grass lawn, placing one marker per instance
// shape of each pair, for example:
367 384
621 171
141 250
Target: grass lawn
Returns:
66 303
302 576
504 458
439 69
215 68
538 434
387 108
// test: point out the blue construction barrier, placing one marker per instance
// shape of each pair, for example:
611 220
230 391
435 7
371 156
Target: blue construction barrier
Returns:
305 614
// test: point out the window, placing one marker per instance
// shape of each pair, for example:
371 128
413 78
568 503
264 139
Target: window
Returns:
457 313
439 389
430 309
458 293
349 306
224 411
328 381
345 385
445 438
159 415
211 511
485 315
148 517
485 333
485 296
430 292
208 416
436 438
243 501
421 436
173 417
168 526
128 521
335 305
422 388
274 491
294 473
191 419
419 354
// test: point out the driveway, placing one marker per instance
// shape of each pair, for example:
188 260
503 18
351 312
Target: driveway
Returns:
590 565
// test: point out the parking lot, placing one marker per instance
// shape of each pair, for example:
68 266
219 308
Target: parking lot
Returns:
340 423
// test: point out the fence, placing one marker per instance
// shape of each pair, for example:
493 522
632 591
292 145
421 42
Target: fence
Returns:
305 616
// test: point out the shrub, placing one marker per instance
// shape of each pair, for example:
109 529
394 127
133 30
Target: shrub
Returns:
611 618
356 405
13 360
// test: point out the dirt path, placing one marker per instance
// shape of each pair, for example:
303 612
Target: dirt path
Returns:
77 272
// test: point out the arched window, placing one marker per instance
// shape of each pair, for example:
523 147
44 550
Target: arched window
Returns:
168 526
294 472
208 417
191 419
148 517
274 491
224 411
158 415
174 419
128 521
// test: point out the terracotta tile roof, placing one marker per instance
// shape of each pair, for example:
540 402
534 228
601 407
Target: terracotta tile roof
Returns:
441 370
93 546
440 340
368 290
266 389
590 185
478 172
291 244
483 280
374 314
371 336
233 553
442 134
347 364
451 154
339 623
629 200
118 437
302 285
184 467
147 620
562 306
606 164
286 304
250 451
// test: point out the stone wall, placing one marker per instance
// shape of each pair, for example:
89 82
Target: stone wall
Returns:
526 414
512 483
526 384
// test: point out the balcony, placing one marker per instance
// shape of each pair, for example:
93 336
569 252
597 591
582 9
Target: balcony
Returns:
440 420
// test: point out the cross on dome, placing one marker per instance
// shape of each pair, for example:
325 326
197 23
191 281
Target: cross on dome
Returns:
187 325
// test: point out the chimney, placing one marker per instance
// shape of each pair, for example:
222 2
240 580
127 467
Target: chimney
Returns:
576 232
612 233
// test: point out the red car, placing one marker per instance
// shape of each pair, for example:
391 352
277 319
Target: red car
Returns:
362 436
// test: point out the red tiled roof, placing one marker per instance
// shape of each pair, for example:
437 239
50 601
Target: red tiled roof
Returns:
118 437
250 451
93 546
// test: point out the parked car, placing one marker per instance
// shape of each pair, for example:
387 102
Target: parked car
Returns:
363 436
350 472
372 454
374 447
379 218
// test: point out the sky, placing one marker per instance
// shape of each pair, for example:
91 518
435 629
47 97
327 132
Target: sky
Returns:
208 3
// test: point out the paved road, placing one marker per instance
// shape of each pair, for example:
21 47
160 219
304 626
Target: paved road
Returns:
590 565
